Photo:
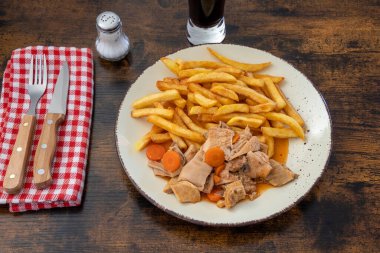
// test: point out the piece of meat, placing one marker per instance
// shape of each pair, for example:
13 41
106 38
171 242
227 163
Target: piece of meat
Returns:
280 174
209 184
226 177
234 193
248 183
190 152
252 144
263 148
186 192
196 171
219 137
258 165
168 187
236 164
244 136
159 170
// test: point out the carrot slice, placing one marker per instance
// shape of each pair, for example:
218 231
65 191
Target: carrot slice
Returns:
214 157
219 169
235 138
213 196
171 161
155 152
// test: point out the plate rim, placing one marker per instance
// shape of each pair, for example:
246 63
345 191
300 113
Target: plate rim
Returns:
219 224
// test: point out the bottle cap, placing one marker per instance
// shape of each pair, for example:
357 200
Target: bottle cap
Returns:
108 21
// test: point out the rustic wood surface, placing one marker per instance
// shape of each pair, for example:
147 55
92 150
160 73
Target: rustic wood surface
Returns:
335 43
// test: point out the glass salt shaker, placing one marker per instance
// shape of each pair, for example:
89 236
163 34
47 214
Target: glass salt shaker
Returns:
112 44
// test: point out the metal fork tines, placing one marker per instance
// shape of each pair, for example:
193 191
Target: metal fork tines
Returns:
15 174
37 81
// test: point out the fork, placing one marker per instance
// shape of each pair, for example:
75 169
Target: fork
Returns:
14 177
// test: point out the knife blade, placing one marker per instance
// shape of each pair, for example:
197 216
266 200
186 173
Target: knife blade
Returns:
48 140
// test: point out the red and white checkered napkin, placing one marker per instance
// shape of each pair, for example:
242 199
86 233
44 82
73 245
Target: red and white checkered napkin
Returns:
69 165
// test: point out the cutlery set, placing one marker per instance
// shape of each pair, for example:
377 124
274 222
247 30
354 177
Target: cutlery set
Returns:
16 170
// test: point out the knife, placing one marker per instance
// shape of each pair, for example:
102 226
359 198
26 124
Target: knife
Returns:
48 140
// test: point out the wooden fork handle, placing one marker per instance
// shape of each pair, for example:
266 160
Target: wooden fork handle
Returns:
45 150
14 177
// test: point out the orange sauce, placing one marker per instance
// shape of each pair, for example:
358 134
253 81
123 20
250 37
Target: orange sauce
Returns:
262 187
281 150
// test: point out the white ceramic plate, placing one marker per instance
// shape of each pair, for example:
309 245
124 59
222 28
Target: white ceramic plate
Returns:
308 160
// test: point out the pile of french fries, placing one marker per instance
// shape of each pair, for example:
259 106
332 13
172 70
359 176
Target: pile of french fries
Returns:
206 92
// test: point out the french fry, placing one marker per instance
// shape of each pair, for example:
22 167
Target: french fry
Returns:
237 129
275 79
241 83
189 123
261 91
178 140
243 122
249 101
195 110
191 98
206 118
207 93
279 132
267 107
230 70
144 141
227 117
177 120
239 65
165 113
160 138
269 141
191 72
223 100
251 81
158 105
277 124
156 97
261 138
171 80
245 91
200 64
274 93
176 129
170 64
178 61
286 120
210 125
189 104
162 86
181 103
289 109
225 92
183 81
212 77
204 101
226 109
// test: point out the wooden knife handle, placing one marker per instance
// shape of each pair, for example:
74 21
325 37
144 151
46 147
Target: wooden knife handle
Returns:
14 177
45 150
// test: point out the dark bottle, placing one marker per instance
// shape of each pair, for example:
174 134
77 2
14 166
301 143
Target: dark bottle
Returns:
206 13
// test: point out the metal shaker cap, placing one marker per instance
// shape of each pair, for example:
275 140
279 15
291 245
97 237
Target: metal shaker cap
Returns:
108 21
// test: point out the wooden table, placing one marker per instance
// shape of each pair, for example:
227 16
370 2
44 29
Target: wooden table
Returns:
335 43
